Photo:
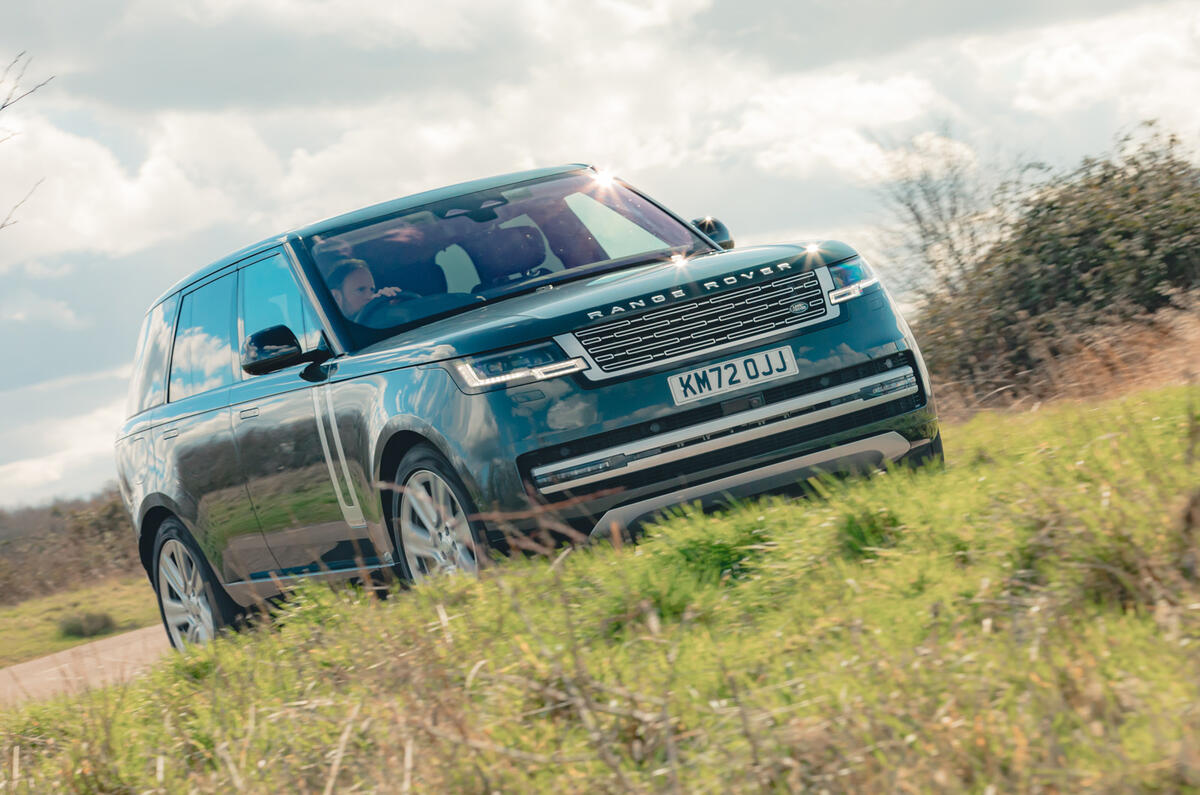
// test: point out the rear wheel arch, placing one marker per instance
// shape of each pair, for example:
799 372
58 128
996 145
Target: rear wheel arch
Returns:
198 598
149 535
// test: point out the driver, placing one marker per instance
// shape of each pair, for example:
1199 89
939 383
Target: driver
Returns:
353 287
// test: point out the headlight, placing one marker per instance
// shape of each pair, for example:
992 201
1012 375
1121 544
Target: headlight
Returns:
850 278
514 367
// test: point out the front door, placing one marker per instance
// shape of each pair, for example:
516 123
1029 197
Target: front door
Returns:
289 452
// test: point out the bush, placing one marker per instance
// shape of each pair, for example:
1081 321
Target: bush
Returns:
1112 241
86 625
65 545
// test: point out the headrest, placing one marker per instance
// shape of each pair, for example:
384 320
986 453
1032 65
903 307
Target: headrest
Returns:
506 252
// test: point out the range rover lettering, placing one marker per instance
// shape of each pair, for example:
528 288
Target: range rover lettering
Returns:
367 391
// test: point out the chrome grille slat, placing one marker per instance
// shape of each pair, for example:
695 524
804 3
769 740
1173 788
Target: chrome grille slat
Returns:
710 321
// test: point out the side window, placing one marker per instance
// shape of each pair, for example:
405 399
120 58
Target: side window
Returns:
271 297
203 357
148 382
619 236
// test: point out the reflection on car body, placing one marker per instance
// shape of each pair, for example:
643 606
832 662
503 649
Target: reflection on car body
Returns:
552 339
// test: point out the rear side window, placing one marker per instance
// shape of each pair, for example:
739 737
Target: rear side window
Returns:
148 382
271 297
203 355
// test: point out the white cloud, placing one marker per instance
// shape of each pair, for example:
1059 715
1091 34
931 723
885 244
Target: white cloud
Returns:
41 270
67 382
801 125
77 458
1146 61
88 202
48 447
449 25
636 100
26 307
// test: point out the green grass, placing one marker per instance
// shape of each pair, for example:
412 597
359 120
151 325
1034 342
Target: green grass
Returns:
1027 620
34 627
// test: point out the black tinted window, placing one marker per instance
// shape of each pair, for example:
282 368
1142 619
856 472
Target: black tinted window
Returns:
203 355
148 383
271 297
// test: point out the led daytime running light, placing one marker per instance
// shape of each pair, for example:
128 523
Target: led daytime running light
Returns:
541 373
851 291
850 279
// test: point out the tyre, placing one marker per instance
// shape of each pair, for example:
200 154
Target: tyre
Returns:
938 456
431 513
193 605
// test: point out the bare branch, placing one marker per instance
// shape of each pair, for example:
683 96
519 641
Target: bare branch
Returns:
9 220
946 216
11 90
15 94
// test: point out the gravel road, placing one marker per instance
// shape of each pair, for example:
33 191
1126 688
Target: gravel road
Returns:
102 662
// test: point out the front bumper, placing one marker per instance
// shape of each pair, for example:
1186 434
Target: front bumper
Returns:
874 413
715 437
592 453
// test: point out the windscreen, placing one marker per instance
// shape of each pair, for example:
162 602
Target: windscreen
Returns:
447 256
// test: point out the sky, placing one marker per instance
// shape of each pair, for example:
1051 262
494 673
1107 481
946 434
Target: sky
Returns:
173 133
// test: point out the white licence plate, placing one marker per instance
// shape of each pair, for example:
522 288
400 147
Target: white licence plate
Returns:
732 374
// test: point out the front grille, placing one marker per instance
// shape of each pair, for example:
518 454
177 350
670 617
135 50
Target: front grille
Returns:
704 323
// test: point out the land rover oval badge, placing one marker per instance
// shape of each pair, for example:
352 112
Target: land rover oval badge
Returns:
799 308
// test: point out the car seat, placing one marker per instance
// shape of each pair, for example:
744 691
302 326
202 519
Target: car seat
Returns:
506 254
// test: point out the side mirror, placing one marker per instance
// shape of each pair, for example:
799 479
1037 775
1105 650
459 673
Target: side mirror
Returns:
716 231
271 349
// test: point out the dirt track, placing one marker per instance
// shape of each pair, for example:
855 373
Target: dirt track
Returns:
102 662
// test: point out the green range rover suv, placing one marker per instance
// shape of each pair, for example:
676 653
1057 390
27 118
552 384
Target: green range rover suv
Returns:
387 389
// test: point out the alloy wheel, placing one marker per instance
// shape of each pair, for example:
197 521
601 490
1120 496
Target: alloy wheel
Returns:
434 529
187 610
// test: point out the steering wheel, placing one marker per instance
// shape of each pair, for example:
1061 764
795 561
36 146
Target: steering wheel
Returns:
377 308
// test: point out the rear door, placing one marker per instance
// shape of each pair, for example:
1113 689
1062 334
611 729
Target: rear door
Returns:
291 454
194 438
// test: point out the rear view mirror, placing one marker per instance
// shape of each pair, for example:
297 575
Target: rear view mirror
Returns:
716 231
271 349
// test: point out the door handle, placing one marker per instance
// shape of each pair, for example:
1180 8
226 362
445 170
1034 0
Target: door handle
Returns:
249 414
170 434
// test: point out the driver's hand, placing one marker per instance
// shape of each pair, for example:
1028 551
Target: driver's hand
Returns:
388 291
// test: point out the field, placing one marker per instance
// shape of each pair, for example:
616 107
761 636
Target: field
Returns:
33 628
1027 619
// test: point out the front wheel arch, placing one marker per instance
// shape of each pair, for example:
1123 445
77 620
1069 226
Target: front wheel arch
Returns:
394 450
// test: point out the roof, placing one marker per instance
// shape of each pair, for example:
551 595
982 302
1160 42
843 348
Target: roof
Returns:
367 213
